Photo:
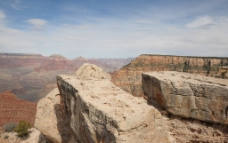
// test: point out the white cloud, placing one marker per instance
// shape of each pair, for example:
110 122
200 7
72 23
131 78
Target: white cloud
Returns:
37 22
2 15
202 21
15 5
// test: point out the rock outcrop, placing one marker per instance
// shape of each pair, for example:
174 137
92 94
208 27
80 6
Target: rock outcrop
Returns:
13 109
95 110
98 111
188 95
50 120
90 71
129 77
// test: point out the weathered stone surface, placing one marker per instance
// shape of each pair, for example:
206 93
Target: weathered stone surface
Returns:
195 131
90 71
50 120
98 111
188 95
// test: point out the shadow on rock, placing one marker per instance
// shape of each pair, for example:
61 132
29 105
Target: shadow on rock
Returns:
63 126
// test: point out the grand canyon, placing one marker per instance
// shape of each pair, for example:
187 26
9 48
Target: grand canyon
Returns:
152 98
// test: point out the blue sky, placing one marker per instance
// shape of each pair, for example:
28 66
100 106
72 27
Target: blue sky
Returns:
114 28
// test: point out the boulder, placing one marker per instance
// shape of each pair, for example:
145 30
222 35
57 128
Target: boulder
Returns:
90 71
188 95
50 120
99 111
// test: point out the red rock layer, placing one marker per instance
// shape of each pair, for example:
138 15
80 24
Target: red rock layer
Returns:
13 109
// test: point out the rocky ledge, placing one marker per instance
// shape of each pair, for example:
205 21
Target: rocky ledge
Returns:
188 95
88 108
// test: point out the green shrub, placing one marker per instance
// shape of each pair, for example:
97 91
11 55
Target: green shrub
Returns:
9 127
22 129
6 137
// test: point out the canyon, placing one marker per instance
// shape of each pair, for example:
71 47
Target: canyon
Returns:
32 76
175 99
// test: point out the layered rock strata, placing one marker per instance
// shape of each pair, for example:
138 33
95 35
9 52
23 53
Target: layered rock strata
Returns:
129 77
188 95
13 109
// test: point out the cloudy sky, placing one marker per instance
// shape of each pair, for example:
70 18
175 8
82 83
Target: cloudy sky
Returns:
114 28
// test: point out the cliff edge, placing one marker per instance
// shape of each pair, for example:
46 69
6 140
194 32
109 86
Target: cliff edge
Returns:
92 109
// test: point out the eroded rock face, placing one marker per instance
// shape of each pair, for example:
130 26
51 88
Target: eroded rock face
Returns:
50 119
188 95
98 111
13 109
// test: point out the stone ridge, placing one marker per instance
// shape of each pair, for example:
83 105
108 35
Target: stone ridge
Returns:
188 95
98 111
183 56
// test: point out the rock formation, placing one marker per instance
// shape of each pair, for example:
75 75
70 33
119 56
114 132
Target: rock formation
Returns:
188 95
90 71
13 109
98 111
95 110
129 77
50 120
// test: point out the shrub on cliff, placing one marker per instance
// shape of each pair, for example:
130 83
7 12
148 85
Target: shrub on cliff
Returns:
22 129
9 127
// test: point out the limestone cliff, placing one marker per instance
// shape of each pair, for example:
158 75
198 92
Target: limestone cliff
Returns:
129 77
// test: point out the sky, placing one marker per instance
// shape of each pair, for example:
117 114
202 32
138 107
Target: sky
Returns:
114 28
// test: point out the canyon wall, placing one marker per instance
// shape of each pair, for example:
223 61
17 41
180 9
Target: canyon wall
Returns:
129 77
31 76
13 109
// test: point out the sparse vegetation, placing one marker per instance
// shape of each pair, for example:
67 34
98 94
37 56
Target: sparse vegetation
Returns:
9 127
6 137
223 74
22 129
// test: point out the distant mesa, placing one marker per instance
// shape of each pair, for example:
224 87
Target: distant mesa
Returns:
80 58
